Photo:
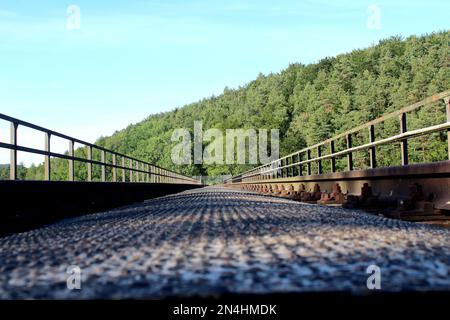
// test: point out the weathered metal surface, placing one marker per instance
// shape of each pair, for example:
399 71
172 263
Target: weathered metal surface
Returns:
389 183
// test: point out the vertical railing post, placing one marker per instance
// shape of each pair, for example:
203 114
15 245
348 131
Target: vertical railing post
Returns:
103 157
131 170
333 159
124 178
447 111
138 173
47 167
319 162
349 155
308 154
114 169
71 162
138 176
294 168
286 163
147 169
13 152
404 142
277 173
286 170
89 164
372 154
300 167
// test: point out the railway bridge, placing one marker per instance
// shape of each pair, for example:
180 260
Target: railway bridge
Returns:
312 221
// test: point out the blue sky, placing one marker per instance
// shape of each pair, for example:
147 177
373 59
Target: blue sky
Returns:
133 58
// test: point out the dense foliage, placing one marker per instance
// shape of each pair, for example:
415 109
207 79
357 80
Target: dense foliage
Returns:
308 103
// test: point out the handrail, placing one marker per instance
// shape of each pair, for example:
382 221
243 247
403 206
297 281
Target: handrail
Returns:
149 172
276 166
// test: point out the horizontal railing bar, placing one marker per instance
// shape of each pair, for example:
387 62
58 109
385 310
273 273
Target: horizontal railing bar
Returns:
381 119
157 170
393 139
63 156
75 140
51 132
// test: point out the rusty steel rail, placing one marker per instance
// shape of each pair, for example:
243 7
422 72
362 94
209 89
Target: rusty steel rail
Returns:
279 168
138 170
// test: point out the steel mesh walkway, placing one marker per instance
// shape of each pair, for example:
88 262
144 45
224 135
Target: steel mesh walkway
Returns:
213 241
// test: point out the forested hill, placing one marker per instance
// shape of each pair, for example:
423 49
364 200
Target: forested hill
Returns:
308 103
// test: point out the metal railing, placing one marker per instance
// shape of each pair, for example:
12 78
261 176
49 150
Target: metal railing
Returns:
136 170
280 168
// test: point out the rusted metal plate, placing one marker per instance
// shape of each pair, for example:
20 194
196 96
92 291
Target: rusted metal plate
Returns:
389 183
